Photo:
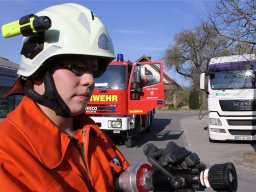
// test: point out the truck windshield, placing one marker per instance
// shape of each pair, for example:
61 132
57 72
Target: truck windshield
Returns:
113 78
238 75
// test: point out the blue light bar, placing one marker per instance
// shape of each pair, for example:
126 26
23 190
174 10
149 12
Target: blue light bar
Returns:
120 57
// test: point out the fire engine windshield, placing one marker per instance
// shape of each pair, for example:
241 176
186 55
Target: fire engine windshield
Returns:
238 75
113 78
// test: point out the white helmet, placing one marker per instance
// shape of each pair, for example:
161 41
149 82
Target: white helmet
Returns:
75 30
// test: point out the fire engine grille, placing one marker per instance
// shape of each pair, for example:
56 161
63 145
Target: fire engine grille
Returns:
242 122
242 132
102 108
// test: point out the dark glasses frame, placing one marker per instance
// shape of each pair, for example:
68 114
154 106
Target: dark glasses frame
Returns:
80 70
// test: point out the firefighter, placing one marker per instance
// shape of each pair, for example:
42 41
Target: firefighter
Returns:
48 143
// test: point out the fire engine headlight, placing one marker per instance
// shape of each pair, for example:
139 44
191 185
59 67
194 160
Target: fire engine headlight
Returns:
116 124
215 121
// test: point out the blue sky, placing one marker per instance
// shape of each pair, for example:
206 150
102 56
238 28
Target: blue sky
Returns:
137 27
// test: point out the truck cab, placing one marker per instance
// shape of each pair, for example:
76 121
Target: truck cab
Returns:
231 97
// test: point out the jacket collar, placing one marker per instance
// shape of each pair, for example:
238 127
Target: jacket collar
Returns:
48 143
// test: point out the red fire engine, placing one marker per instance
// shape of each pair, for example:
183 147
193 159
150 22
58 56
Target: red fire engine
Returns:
125 98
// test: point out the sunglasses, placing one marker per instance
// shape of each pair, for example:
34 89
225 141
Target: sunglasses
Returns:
80 70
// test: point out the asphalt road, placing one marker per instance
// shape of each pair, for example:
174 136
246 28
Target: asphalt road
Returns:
185 129
213 153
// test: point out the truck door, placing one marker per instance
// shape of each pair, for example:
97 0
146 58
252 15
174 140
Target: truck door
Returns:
146 87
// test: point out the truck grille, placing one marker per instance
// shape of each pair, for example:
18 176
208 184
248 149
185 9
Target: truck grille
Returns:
242 122
242 132
238 105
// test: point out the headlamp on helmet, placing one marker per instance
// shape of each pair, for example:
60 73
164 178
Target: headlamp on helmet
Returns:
27 26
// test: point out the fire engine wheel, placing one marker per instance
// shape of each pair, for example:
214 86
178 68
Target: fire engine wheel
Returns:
150 122
133 134
130 142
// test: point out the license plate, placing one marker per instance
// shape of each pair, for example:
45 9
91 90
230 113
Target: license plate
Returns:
243 138
116 131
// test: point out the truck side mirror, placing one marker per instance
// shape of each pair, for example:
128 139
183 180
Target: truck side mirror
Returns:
202 81
136 85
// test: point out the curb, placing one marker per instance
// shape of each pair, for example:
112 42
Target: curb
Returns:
196 140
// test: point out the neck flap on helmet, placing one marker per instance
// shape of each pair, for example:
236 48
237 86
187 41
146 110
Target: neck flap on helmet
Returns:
50 98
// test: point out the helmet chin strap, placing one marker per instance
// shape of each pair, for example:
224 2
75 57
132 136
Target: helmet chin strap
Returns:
50 98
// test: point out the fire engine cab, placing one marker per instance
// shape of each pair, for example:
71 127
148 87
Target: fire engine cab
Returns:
125 98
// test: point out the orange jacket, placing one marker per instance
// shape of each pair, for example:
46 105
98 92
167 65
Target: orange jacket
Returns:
36 156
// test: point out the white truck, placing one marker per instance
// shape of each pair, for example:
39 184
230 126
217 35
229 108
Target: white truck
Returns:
231 97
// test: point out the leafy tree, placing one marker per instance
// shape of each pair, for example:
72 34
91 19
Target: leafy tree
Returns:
194 99
183 97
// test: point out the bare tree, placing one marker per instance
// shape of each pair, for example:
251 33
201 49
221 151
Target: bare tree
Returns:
193 49
236 20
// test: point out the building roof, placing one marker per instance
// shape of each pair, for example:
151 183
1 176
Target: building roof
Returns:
145 58
5 63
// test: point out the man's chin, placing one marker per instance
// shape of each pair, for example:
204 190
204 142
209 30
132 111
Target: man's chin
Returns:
75 113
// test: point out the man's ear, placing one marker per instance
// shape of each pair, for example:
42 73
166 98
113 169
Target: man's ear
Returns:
37 81
28 82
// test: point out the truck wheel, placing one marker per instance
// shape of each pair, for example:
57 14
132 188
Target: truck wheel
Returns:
133 134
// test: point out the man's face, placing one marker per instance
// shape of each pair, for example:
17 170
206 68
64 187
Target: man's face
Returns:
74 81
